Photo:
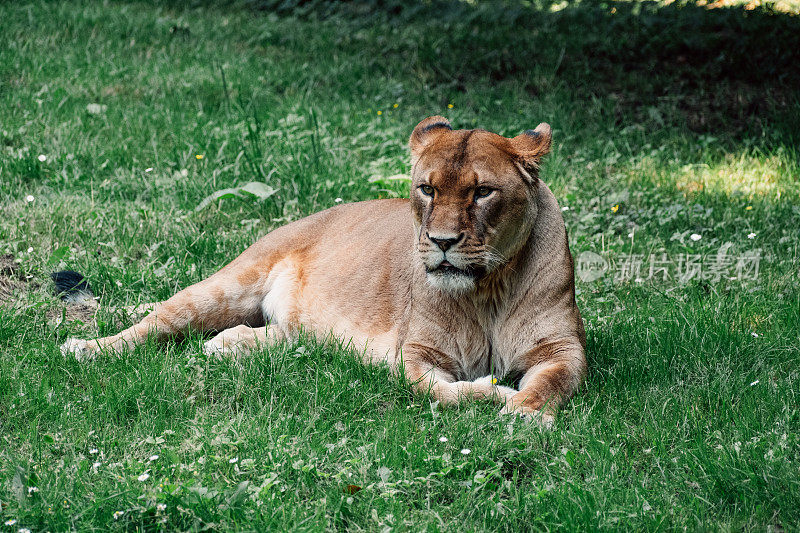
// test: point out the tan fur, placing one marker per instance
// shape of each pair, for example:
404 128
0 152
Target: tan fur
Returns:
454 288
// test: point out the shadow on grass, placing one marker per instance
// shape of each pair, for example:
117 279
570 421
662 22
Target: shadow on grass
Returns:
729 70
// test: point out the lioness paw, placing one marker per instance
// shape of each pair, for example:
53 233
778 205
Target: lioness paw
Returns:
542 419
501 392
81 349
237 341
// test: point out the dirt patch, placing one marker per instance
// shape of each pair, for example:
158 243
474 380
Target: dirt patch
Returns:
70 313
12 281
15 285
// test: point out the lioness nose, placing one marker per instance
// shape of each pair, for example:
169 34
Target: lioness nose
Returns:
444 242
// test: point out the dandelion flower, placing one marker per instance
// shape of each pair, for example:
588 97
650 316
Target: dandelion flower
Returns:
695 237
233 460
449 106
118 514
466 451
42 158
380 112
199 157
751 235
615 208
494 380
29 198
144 477
748 208
396 106
442 439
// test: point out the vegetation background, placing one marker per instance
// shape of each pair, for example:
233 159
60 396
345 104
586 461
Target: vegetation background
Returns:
676 130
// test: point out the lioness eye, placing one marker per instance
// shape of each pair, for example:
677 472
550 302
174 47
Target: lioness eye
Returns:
427 190
482 192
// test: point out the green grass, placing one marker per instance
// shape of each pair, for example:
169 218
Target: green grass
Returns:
669 120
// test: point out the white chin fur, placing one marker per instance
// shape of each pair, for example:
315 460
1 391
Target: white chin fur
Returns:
451 282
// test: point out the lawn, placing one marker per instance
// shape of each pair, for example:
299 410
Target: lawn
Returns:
675 160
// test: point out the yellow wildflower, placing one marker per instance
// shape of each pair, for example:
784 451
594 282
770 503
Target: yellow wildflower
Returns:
199 157
449 106
396 106
494 380
380 112
615 208
748 208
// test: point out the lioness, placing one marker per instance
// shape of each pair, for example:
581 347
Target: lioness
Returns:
469 280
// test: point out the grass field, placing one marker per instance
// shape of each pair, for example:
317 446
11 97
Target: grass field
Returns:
676 134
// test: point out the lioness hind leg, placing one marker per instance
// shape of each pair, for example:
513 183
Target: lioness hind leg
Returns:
241 340
214 304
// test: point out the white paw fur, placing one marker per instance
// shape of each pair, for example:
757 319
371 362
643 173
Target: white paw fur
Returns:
78 348
541 418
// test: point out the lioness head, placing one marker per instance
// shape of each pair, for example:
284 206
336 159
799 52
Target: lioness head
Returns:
473 196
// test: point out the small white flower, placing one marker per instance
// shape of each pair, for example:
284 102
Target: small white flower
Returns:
153 457
10 522
161 506
26 530
756 382
96 465
565 208
737 446
150 169
42 158
349 500
32 490
233 460
751 235
695 237
442 439
466 451
144 477
338 200
93 451
754 334
118 514
30 250
29 198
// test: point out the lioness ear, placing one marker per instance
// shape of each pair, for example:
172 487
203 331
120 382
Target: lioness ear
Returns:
424 134
532 145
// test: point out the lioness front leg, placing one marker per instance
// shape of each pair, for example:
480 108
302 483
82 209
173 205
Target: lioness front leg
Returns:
214 304
425 375
550 382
